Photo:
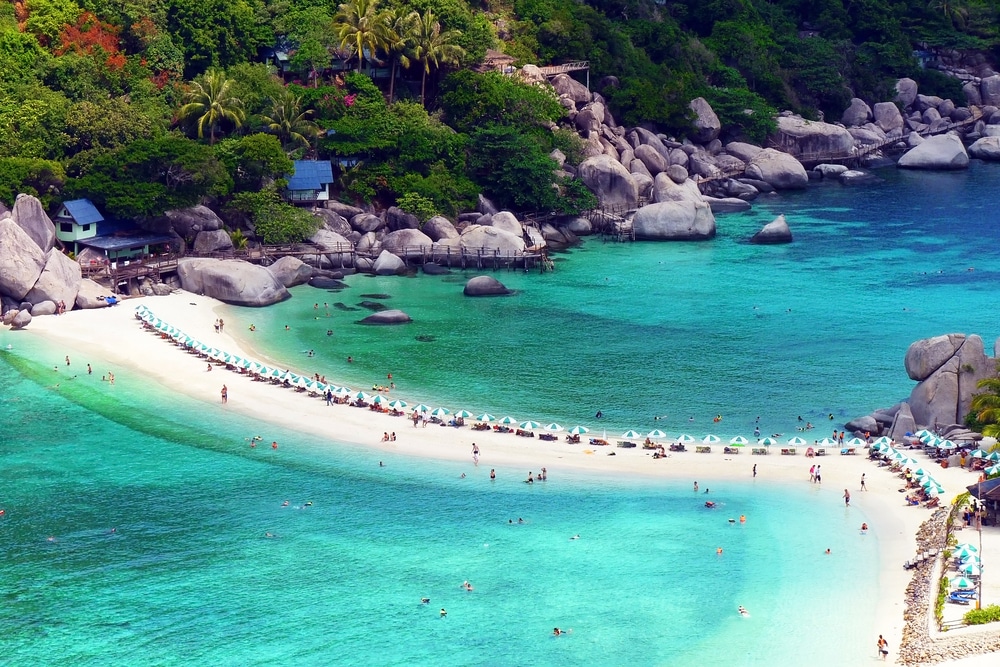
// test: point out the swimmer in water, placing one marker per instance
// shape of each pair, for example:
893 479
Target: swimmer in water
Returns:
575 537
268 535
556 632
467 586
827 552
307 503
424 600
718 551
743 611
284 504
444 612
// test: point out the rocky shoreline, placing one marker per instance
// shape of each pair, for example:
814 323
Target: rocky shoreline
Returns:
919 646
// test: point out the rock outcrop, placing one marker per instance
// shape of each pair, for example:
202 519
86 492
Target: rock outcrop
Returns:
857 114
609 180
388 264
90 295
780 170
948 368
212 240
774 232
387 317
485 286
231 281
706 122
674 221
802 137
478 236
21 260
189 221
30 216
291 271
59 280
942 151
986 148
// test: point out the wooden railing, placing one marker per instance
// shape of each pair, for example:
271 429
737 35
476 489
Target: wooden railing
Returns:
575 66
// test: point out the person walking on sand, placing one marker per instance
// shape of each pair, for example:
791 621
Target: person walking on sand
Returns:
755 470
863 487
90 371
847 498
883 647
225 394
812 474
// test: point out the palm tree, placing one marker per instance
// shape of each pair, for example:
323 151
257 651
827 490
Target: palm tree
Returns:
360 25
987 406
954 10
290 123
211 102
398 39
430 46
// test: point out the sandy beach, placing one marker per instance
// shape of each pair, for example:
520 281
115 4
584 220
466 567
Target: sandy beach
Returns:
112 340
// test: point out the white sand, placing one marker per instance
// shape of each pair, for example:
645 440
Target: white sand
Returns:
112 339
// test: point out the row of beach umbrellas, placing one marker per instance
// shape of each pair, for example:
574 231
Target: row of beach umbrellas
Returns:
969 563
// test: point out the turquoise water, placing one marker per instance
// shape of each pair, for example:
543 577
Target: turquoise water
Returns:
188 576
685 330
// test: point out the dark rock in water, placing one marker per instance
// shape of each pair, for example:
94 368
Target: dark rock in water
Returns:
373 306
485 286
376 296
426 338
343 306
776 231
327 283
387 317
432 269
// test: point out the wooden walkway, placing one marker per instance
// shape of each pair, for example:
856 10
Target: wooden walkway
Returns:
613 223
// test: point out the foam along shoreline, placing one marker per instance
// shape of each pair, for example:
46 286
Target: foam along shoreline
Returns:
112 338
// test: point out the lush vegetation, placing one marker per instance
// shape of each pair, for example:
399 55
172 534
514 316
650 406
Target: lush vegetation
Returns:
988 614
985 413
143 105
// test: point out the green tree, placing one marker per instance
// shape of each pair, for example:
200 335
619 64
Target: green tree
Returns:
22 59
32 119
216 33
210 103
41 178
46 18
290 123
986 406
150 176
105 125
274 220
398 37
312 30
253 161
362 27
513 169
431 47
470 100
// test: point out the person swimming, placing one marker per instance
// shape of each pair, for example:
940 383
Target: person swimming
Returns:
743 611
575 537
444 612
424 600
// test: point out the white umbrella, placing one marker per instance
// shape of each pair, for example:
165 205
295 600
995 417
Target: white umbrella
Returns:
827 442
463 414
656 434
711 439
343 391
971 569
362 396
768 441
978 454
422 408
485 417
579 430
380 400
555 428
909 463
856 442
992 470
397 404
739 440
302 383
971 558
508 420
529 425
946 444
797 442
966 546
440 412
961 582
629 434
884 440
684 437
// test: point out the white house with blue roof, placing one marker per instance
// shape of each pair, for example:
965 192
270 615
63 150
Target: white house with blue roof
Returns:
76 221
310 182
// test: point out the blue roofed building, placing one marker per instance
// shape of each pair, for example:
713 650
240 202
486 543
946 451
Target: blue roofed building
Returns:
310 182
77 220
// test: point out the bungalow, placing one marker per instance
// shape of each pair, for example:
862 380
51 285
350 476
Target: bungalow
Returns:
310 182
76 221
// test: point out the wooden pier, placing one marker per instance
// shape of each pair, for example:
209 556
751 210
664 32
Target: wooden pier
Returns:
613 223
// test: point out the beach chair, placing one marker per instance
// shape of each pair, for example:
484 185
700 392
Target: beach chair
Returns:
785 451
792 451
843 451
851 451
703 449
732 450
820 452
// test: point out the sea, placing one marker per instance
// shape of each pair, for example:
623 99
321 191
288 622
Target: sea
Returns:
139 527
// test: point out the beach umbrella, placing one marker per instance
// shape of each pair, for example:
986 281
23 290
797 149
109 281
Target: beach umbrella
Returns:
711 439
909 463
992 470
362 396
978 454
897 455
303 383
397 404
656 434
961 582
971 569
579 430
767 442
529 425
685 438
380 400
884 440
422 408
994 456
247 363
827 442
922 432
555 428
343 391
798 442
856 442
439 412
966 546
739 441
485 417
926 436
629 434
946 444
463 414
508 420
933 491
971 558
920 472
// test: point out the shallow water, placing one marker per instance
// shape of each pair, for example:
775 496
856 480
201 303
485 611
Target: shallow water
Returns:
188 576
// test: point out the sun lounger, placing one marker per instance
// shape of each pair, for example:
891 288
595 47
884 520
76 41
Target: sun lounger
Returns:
788 450
958 599
848 451
820 452
678 447
624 444
731 450
759 450
573 439
599 441
703 449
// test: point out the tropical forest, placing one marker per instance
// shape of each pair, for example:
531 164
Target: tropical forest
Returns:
143 106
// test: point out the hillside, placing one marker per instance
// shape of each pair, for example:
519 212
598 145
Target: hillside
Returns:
146 105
